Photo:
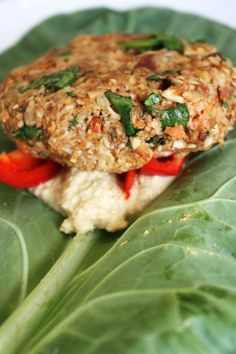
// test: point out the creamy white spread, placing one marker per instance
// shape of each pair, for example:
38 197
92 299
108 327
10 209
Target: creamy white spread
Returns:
91 200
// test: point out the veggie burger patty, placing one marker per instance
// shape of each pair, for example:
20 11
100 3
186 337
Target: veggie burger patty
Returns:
113 102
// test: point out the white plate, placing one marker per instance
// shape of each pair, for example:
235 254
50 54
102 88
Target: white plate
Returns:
18 16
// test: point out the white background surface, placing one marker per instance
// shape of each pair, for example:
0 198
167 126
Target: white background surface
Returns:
18 16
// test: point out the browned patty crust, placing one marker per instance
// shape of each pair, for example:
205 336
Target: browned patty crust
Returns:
176 101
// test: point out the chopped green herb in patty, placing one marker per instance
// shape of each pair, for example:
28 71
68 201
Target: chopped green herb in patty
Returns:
123 105
178 115
162 75
169 117
151 100
156 140
54 81
157 41
71 94
72 123
29 133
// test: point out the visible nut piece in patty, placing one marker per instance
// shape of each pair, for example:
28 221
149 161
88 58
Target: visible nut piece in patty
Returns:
105 104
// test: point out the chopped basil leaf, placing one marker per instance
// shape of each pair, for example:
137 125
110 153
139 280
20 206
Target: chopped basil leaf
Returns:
226 104
162 75
65 53
157 140
170 117
142 44
169 42
71 94
158 41
22 89
151 100
55 81
170 71
123 105
154 77
72 123
29 133
178 115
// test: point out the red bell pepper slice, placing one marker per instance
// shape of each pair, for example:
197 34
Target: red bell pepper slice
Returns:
20 160
127 181
168 166
21 170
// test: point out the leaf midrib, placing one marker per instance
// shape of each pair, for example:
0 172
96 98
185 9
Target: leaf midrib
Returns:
25 258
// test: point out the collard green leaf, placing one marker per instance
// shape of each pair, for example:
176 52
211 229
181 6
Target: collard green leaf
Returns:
30 243
5 143
168 283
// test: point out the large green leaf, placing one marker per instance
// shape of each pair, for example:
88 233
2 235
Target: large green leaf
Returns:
30 243
168 284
